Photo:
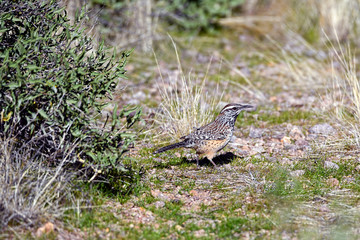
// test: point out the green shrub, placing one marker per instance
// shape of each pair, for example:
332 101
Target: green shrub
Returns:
199 14
52 89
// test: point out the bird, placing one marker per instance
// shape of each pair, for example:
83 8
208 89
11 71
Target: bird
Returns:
214 136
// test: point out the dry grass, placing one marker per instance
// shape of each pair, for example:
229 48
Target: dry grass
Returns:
333 77
186 104
344 95
300 64
30 191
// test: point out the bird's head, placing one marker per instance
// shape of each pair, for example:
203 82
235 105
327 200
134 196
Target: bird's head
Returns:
234 109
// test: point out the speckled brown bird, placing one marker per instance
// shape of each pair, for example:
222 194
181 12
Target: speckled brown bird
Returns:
211 138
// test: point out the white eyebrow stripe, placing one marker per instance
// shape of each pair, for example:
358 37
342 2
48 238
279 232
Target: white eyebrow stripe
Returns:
229 107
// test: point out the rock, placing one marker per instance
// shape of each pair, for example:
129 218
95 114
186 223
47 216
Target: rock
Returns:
324 208
193 193
249 167
290 147
158 194
333 182
349 179
133 102
286 140
179 228
159 204
285 161
331 165
297 173
45 229
139 95
301 143
296 133
200 233
255 133
324 129
256 150
271 159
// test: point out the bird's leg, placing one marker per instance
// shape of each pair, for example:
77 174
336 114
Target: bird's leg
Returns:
210 156
212 162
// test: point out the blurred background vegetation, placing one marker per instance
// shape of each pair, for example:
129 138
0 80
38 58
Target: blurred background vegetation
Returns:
141 22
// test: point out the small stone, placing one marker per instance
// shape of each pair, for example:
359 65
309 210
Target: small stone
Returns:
249 166
158 194
333 182
139 95
271 159
159 204
45 229
331 165
324 129
290 147
301 143
297 173
296 133
324 208
255 133
200 233
286 140
349 179
170 223
256 150
178 228
193 193
133 102
285 161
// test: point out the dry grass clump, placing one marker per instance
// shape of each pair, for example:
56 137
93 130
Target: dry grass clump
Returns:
30 191
332 76
186 103
344 95
300 64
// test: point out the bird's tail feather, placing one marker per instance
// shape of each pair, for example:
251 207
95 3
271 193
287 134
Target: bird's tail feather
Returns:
172 146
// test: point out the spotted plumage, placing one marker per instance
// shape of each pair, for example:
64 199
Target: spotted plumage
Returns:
211 138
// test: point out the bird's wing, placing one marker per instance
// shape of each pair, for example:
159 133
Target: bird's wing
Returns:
207 132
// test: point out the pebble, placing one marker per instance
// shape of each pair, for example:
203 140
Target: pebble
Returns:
302 143
324 129
333 182
331 165
159 204
297 173
296 133
200 233
255 133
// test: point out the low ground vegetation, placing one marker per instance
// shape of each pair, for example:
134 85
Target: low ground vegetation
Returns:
291 170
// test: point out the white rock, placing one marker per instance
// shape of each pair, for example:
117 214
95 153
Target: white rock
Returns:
297 173
331 165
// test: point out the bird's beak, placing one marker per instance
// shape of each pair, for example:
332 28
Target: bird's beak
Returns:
248 107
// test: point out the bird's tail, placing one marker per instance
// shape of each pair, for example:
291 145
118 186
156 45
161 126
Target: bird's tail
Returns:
172 146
